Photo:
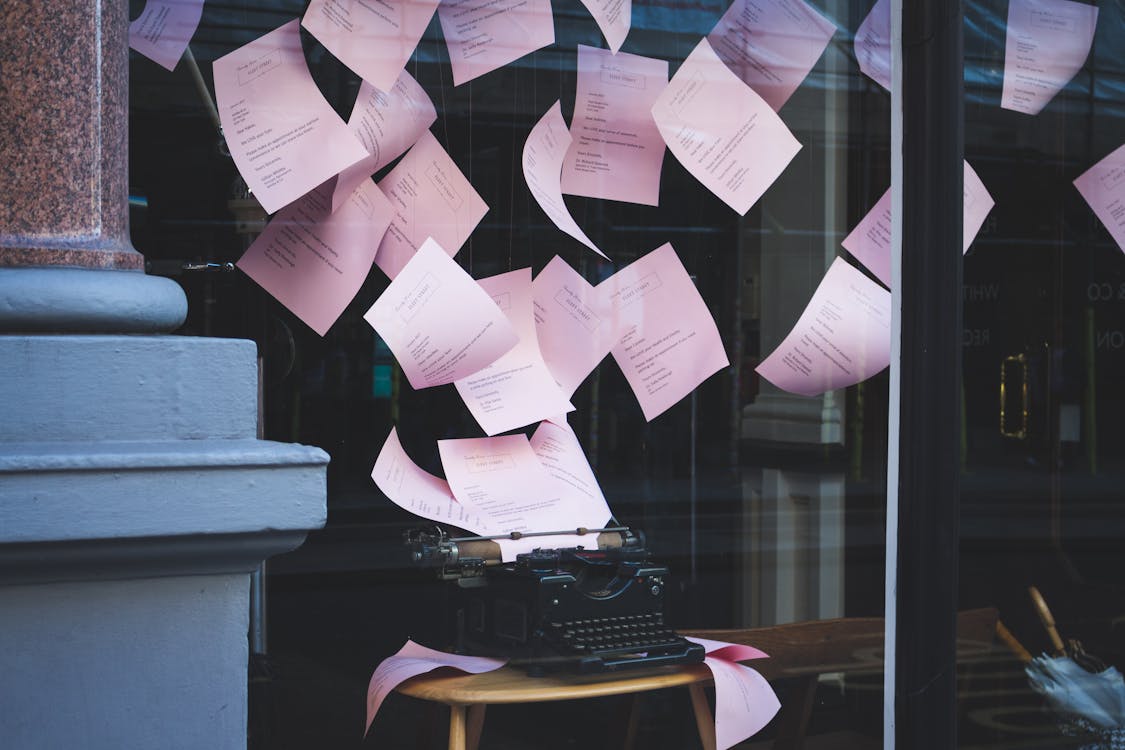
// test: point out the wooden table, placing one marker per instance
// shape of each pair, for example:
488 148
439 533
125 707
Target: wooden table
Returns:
467 695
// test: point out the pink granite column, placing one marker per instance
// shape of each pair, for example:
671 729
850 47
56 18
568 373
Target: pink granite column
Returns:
66 262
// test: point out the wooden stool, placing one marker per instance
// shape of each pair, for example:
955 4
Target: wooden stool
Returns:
467 695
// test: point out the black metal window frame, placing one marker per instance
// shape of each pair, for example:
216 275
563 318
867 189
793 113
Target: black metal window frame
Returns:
928 151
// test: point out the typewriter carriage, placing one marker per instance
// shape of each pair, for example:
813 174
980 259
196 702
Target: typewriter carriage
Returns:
576 609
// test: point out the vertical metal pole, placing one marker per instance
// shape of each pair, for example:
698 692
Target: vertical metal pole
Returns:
258 611
258 577
928 185
693 492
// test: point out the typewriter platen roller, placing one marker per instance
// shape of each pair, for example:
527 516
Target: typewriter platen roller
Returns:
575 609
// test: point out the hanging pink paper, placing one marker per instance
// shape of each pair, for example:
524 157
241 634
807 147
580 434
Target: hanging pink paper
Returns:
1047 42
503 479
374 39
575 323
771 44
164 29
870 241
558 450
614 18
617 152
873 44
284 137
842 337
431 198
438 322
314 261
517 389
726 135
543 155
413 489
483 35
977 205
674 345
1103 188
387 123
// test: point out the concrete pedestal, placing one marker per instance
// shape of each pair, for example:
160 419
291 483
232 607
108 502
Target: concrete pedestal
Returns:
134 496
134 502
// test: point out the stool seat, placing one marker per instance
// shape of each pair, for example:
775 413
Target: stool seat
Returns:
512 685
467 695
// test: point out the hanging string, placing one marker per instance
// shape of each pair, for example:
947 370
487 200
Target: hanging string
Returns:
441 88
512 171
471 169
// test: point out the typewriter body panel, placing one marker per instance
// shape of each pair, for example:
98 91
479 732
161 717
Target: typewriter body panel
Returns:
567 609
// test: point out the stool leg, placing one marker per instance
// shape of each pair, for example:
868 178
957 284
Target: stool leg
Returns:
457 728
704 721
633 722
476 724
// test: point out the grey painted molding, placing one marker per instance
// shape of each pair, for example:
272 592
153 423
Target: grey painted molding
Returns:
84 388
58 300
52 492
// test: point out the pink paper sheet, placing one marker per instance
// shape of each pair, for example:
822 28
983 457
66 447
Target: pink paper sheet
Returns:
314 261
431 199
504 484
721 131
283 136
503 480
516 389
744 700
842 337
560 453
543 155
575 323
374 38
977 204
411 661
873 44
728 651
1047 43
163 30
483 35
413 489
438 322
387 123
771 44
617 152
1103 188
614 18
870 241
675 344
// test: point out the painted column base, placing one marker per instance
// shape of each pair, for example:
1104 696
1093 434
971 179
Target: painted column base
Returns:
134 502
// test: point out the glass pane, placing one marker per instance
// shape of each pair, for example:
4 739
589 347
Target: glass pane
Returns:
1042 364
766 506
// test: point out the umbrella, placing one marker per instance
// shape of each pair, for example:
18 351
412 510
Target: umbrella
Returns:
1089 696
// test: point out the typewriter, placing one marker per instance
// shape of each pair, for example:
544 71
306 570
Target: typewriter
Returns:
574 609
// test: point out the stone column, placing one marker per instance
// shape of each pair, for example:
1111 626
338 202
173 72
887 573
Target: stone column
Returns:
135 497
66 262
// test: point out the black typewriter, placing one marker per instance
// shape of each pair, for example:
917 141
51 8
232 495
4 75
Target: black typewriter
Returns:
570 609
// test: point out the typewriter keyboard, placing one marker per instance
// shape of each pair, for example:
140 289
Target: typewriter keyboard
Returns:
645 632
